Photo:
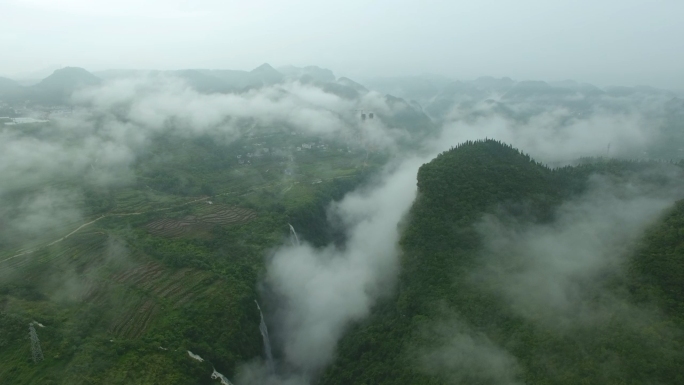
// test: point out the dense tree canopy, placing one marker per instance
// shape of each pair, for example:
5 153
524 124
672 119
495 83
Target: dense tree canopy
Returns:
437 291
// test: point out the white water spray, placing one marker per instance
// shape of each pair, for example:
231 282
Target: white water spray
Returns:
195 356
293 233
218 376
267 342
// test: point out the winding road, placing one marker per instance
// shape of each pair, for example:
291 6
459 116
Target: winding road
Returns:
26 252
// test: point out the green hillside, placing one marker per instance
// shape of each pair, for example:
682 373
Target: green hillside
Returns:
167 263
657 270
448 324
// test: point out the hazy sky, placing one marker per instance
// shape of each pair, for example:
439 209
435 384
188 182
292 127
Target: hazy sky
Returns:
601 41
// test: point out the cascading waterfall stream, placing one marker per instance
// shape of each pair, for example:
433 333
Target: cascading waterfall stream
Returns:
267 342
293 233
218 376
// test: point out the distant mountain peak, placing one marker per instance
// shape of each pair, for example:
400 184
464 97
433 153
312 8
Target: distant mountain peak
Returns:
265 74
57 88
72 70
266 68
70 76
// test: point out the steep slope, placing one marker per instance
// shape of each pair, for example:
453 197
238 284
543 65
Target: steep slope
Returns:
203 82
352 84
58 87
658 268
53 90
208 80
494 84
116 74
454 319
157 268
408 117
10 90
313 72
456 93
582 88
236 80
266 75
454 190
8 84
421 88
109 313
534 90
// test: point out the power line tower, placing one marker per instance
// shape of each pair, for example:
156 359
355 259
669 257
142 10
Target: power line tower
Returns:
36 351
365 114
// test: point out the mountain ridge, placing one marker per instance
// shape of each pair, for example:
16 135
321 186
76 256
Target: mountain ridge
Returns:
443 293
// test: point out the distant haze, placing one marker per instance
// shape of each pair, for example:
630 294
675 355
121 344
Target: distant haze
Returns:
625 42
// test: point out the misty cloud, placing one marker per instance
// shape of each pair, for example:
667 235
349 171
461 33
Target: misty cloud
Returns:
458 355
604 42
545 272
69 283
553 273
44 211
114 123
558 135
152 102
323 290
62 151
254 373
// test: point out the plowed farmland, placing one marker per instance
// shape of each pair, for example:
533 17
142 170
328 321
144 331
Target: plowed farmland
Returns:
216 215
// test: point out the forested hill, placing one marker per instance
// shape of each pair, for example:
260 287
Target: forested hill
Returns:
472 177
500 282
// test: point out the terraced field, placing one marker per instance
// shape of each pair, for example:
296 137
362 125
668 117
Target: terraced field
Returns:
209 216
141 271
78 251
16 242
133 323
142 287
157 288
132 200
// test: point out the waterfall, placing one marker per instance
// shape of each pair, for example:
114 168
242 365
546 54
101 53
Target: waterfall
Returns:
267 342
218 376
195 356
293 233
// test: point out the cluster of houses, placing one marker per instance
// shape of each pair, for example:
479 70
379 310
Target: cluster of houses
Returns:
312 145
261 151
14 121
258 153
13 115
258 150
